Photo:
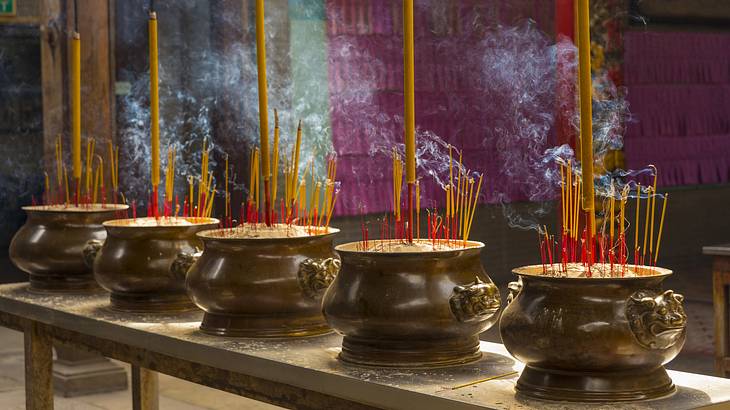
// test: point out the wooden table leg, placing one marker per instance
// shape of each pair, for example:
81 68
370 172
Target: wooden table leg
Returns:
144 389
38 368
720 282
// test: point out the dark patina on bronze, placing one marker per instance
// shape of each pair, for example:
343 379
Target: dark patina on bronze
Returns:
136 264
262 287
54 244
411 309
593 339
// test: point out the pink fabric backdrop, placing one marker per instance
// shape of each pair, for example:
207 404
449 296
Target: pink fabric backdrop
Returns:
679 93
366 82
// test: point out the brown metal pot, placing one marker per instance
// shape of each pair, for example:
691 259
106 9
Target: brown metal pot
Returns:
136 264
53 245
593 339
256 287
419 309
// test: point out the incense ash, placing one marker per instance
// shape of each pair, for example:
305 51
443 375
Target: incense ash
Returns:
417 246
159 222
275 231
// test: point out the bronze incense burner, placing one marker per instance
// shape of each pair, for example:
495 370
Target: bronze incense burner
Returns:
411 309
262 287
593 339
136 264
54 244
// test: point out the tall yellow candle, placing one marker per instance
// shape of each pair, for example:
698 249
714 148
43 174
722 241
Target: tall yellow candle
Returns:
586 111
154 100
76 104
409 91
263 98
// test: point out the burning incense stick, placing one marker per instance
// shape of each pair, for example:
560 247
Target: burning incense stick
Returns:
263 107
76 108
410 113
661 227
154 108
636 223
586 118
275 159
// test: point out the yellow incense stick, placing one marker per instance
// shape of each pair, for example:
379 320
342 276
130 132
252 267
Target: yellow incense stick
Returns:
263 97
76 104
653 207
154 100
65 178
499 376
275 159
409 91
569 195
418 210
48 187
586 111
473 209
661 226
562 197
646 224
227 199
638 212
612 218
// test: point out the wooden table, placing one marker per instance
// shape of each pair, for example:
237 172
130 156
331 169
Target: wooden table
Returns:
720 298
303 373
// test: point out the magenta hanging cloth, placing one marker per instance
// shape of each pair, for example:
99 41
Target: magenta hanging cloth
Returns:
366 89
679 93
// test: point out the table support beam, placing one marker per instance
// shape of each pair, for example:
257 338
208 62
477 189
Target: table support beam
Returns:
144 389
38 368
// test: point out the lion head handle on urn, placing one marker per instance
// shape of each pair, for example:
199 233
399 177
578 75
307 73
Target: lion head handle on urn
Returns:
475 301
91 249
657 318
183 262
514 289
316 274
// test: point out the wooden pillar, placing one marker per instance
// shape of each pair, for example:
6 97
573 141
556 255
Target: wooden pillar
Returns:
97 115
144 389
54 74
38 369
721 289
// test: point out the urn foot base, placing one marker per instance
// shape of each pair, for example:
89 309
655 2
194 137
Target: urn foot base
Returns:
410 353
594 387
63 284
263 326
150 303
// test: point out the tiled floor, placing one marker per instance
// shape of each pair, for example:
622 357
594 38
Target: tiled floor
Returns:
696 357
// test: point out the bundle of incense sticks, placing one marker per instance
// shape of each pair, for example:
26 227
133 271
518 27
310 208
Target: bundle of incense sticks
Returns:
306 202
575 246
93 190
452 229
200 205
170 208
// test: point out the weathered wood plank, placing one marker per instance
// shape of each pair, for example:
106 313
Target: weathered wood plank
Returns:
720 284
38 368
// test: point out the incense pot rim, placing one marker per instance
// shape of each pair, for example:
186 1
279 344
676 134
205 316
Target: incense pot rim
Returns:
535 271
351 248
57 209
124 223
208 235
